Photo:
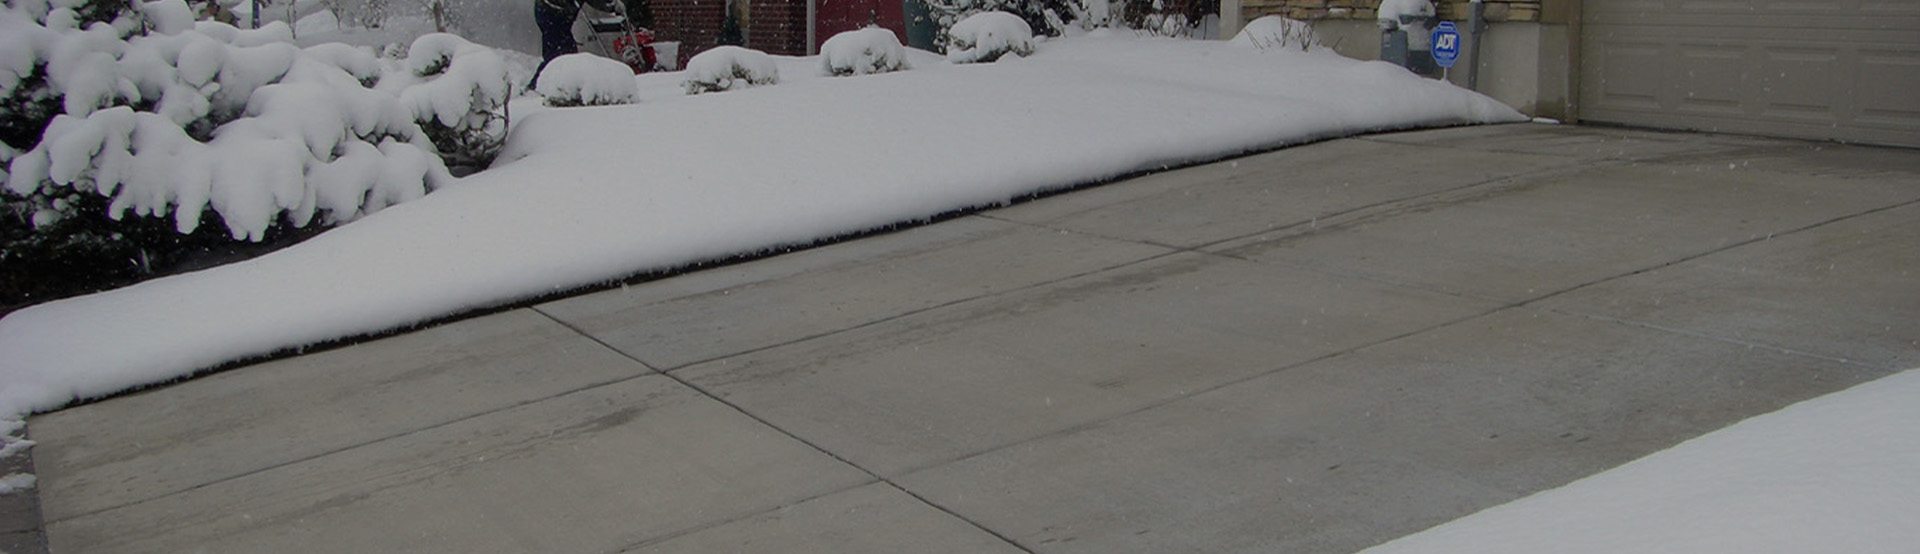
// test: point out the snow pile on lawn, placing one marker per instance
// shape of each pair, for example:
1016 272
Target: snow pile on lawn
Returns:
1839 473
581 196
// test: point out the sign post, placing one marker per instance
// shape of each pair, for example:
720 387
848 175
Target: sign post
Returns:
1446 46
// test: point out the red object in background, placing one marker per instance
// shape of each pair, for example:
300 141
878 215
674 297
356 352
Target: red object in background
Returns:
836 16
636 50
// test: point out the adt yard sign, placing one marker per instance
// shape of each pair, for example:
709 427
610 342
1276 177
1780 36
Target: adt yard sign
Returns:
1446 44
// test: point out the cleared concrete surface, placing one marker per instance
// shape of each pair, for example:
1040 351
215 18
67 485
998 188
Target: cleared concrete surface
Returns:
1312 350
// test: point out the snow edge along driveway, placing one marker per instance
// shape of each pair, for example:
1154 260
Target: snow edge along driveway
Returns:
1837 473
589 195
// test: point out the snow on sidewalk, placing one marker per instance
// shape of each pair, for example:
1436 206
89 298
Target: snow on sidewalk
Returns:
1839 473
588 195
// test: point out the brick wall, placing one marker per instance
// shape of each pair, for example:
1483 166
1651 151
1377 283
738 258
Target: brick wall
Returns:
695 24
778 27
1310 10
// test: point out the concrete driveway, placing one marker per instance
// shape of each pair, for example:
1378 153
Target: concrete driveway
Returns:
1312 350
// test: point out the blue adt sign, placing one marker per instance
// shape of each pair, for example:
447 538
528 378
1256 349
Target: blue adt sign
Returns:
1446 44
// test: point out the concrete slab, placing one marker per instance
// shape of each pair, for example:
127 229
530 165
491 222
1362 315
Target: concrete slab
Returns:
1849 290
1343 453
933 387
873 519
1069 374
764 304
593 471
1210 203
174 439
1542 235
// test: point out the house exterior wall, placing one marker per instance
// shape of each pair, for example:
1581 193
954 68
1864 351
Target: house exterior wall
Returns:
1526 54
778 27
695 24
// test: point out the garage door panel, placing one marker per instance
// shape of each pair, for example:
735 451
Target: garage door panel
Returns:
1711 79
1638 90
1843 70
1797 83
1890 7
1890 88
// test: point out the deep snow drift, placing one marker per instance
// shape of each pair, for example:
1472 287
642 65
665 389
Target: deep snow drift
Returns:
585 195
1839 473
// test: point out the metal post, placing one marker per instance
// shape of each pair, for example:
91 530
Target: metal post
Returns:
1476 24
812 15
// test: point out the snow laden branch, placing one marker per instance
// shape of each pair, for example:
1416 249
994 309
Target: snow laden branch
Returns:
155 113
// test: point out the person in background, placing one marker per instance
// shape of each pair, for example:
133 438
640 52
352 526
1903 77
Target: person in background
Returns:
555 19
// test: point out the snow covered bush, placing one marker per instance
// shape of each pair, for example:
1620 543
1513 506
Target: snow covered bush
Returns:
862 52
587 80
986 37
1275 33
458 93
1049 17
1056 17
140 109
729 68
1165 25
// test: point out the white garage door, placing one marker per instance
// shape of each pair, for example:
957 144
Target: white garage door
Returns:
1844 70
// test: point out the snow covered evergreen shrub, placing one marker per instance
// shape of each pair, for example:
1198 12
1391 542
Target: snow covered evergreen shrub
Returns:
587 80
1164 24
729 68
115 108
1276 33
1055 17
1047 17
986 37
862 52
458 93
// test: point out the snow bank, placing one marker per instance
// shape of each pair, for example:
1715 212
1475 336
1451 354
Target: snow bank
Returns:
584 196
862 52
987 36
1840 473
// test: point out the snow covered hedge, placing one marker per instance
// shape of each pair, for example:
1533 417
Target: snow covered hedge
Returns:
114 108
1057 17
862 52
163 115
986 37
729 68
